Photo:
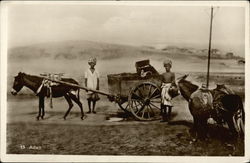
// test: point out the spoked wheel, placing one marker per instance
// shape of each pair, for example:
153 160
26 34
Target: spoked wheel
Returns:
123 104
144 101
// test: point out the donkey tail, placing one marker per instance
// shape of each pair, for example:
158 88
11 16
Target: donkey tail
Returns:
242 112
241 119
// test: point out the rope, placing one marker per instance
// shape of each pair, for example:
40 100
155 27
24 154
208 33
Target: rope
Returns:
47 84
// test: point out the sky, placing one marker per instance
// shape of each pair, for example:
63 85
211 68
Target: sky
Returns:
131 25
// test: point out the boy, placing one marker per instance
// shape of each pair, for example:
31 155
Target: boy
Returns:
92 82
168 85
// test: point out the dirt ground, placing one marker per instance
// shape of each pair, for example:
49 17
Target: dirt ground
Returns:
98 135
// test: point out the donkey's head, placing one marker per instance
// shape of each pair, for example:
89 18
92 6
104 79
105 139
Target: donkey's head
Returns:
186 87
18 83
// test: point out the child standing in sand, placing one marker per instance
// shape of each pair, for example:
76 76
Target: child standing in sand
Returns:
92 82
168 85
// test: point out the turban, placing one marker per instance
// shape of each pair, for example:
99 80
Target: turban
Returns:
92 60
166 62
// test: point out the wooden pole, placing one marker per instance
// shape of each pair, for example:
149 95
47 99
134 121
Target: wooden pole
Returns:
209 46
78 86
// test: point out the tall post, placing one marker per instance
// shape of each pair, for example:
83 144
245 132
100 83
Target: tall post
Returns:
209 46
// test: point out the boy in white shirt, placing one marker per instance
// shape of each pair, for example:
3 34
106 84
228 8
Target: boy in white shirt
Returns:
168 85
92 82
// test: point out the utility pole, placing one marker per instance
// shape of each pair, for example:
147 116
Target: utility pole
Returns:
209 46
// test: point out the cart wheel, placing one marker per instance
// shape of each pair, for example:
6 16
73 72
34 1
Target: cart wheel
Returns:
144 101
124 105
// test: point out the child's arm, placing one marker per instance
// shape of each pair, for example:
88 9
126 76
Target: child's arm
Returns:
98 80
173 80
162 78
86 79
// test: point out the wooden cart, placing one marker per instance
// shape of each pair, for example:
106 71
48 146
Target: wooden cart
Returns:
138 93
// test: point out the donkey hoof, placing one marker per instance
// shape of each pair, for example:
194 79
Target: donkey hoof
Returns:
42 117
83 117
64 118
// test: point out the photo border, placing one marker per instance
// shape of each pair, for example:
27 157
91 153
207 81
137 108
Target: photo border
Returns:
95 158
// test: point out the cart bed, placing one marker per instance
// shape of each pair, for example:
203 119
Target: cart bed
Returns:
121 84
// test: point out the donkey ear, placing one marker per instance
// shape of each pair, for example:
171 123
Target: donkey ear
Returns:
182 77
20 73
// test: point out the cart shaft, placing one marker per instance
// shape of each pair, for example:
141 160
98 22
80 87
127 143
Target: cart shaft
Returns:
77 86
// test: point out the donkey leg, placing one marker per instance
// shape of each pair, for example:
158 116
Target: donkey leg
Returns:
42 107
39 107
39 113
78 102
194 129
203 129
232 126
199 129
68 99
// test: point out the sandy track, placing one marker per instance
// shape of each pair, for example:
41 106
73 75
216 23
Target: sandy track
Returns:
97 136
26 110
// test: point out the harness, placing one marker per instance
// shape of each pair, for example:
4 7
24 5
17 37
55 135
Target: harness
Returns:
48 84
217 104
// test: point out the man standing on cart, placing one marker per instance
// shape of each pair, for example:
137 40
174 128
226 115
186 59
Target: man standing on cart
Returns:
169 90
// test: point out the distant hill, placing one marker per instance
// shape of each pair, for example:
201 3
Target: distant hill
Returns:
201 53
79 50
84 49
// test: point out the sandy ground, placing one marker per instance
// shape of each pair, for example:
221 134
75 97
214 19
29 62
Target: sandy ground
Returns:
105 109
98 136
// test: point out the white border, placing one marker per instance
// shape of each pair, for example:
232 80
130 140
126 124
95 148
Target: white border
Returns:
138 3
78 158
3 74
247 79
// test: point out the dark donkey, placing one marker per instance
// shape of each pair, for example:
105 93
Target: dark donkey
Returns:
58 90
201 106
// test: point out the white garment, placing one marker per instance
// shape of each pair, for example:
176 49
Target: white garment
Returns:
91 79
165 97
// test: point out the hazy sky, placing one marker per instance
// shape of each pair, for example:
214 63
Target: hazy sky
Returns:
133 25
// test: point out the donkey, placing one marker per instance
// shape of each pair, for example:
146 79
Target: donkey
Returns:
201 106
35 83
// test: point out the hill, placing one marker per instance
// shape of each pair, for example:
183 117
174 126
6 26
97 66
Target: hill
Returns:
84 49
201 53
79 50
